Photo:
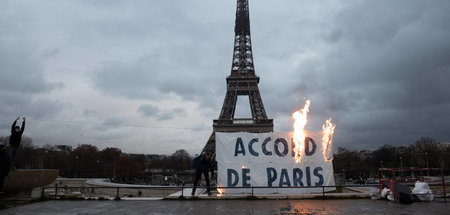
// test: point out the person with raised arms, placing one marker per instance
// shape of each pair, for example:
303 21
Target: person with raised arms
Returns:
14 141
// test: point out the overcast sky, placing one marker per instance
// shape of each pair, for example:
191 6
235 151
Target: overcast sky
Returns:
148 76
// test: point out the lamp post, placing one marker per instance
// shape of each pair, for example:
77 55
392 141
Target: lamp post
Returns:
76 166
114 171
46 166
401 166
98 168
401 163
381 165
343 170
428 167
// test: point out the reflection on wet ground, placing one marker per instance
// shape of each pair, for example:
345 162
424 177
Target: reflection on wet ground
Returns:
200 207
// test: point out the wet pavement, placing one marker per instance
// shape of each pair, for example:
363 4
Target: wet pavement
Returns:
201 207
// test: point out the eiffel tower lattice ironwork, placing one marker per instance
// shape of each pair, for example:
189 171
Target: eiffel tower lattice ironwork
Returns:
241 82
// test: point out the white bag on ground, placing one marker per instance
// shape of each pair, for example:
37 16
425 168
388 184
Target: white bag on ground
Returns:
385 192
423 191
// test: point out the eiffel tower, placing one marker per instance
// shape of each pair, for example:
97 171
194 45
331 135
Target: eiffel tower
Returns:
241 82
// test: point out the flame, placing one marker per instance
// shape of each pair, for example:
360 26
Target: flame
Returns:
327 139
243 167
220 191
301 118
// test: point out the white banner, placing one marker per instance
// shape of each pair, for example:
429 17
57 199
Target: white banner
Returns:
268 160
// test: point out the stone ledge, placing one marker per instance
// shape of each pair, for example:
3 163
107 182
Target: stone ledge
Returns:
22 181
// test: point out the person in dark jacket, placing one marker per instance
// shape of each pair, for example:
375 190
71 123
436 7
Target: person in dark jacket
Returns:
14 141
202 165
4 164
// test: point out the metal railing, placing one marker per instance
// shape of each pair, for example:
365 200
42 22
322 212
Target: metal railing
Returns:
160 192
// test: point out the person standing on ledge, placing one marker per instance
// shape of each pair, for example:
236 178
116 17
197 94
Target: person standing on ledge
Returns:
202 165
14 141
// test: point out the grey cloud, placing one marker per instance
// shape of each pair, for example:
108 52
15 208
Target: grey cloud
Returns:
20 70
89 112
152 77
51 52
113 121
14 104
44 108
190 66
170 114
109 125
132 80
147 110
